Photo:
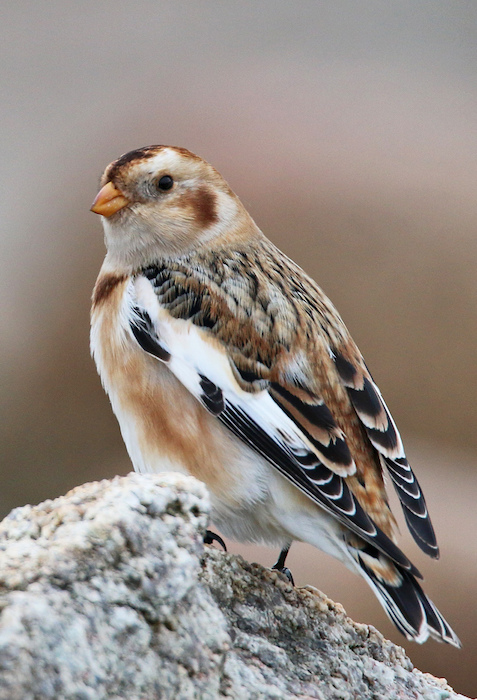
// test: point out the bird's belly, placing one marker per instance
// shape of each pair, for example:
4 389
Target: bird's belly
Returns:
283 515
166 429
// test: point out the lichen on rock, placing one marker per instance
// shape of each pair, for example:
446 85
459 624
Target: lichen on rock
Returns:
109 592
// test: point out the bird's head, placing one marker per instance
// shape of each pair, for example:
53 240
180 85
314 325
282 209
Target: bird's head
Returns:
163 201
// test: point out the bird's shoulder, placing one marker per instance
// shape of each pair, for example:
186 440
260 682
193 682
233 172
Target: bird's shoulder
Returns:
257 302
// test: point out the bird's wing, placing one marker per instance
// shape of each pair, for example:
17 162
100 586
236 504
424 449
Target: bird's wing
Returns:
297 435
384 436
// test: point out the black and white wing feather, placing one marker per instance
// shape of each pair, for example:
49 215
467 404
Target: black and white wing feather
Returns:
203 367
384 435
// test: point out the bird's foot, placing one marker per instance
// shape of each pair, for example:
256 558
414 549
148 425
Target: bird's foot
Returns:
280 565
285 570
211 537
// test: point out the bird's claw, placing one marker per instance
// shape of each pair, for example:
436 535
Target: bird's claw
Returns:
211 537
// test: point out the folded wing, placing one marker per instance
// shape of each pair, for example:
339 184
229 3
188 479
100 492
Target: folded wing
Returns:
298 437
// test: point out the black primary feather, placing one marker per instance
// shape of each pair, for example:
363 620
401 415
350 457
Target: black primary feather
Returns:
369 406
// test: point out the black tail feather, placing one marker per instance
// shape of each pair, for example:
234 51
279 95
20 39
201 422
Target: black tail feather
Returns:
406 604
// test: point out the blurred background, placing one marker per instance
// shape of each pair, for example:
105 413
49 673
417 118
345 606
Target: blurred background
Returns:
349 129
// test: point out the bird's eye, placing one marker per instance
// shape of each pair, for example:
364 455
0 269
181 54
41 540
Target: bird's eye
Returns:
165 183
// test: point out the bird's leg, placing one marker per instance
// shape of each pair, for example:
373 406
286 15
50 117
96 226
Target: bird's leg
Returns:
280 564
211 537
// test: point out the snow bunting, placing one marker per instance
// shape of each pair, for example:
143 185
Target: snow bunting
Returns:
219 354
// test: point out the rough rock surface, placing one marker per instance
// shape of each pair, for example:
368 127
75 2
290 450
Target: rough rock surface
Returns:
108 592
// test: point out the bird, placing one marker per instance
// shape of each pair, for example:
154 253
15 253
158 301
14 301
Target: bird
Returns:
224 360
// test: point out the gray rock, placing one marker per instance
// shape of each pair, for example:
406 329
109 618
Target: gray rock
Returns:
108 592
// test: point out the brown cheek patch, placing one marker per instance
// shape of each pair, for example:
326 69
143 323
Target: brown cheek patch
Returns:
105 285
204 205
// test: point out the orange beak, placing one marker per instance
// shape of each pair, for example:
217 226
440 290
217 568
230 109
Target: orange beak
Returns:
109 200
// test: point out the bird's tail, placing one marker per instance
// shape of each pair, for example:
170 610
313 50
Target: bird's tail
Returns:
402 597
